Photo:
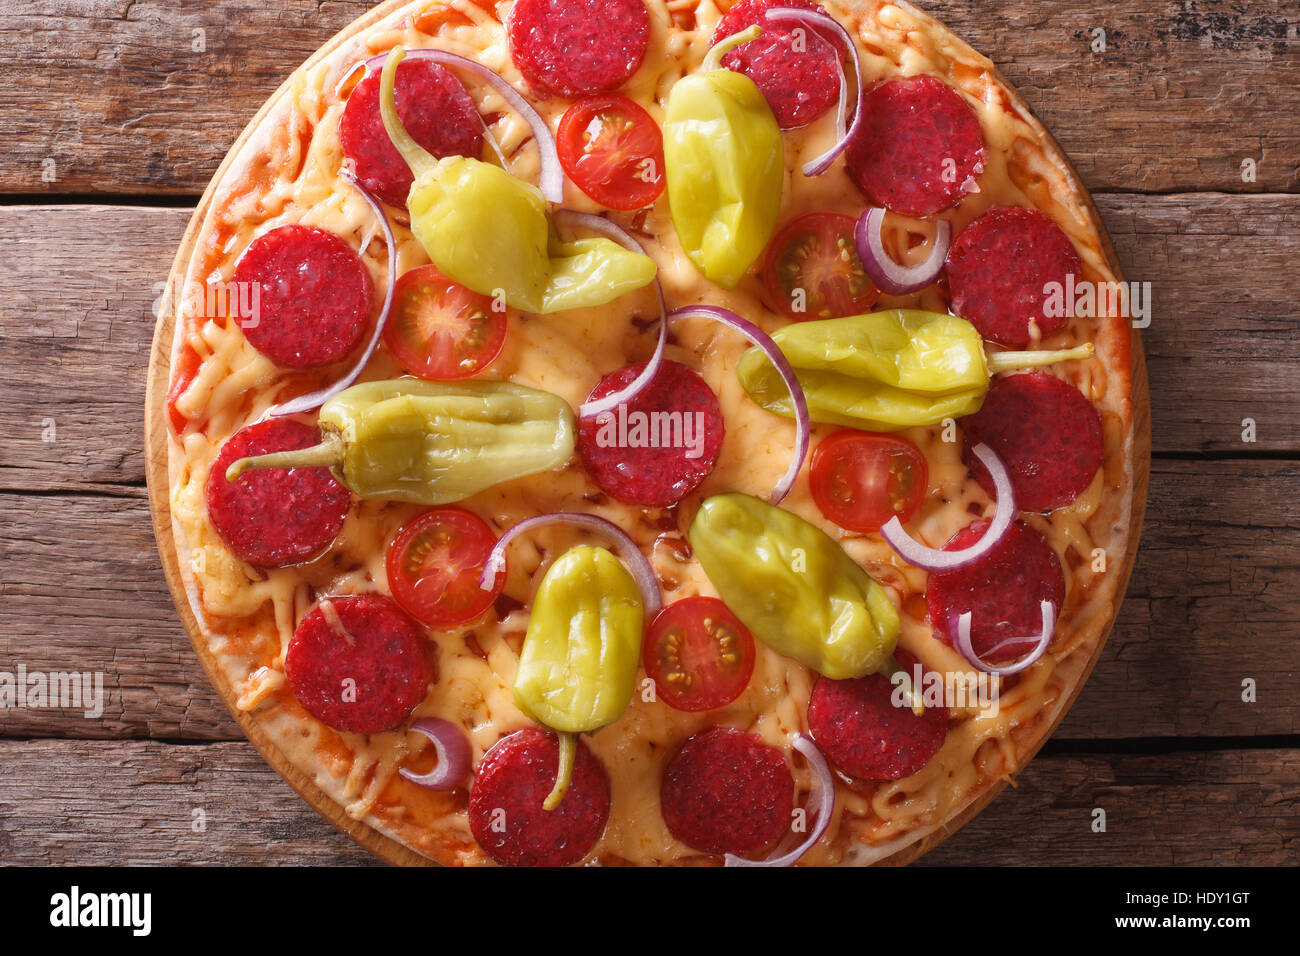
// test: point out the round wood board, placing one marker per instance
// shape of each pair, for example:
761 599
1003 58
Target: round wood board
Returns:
386 848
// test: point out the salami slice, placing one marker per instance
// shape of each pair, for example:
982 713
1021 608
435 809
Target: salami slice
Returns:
797 72
356 664
726 791
575 47
281 516
312 297
1003 592
434 108
864 733
919 149
999 274
505 803
659 447
1045 431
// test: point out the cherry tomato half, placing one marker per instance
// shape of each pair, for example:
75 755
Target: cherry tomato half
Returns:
698 654
440 330
812 270
613 150
434 564
862 479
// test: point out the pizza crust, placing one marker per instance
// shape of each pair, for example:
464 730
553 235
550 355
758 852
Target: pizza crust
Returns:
285 170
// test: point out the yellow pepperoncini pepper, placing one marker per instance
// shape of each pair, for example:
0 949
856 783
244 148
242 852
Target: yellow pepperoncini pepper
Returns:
886 371
490 231
725 166
577 669
432 443
794 587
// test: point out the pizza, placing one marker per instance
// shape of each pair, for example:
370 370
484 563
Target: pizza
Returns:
626 432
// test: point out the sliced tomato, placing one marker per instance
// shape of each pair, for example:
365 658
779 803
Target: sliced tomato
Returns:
441 330
698 654
812 269
434 564
862 479
613 150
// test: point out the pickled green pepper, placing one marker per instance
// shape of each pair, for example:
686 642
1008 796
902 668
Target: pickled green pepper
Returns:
490 231
577 669
886 371
725 166
432 443
794 587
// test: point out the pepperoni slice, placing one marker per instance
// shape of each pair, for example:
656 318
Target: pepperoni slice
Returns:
726 791
797 71
435 109
505 803
356 664
312 296
574 47
998 269
1003 592
919 149
1045 431
657 448
281 516
862 732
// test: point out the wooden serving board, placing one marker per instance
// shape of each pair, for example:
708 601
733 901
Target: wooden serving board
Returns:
156 466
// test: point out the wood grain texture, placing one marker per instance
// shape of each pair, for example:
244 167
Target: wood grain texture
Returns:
82 282
1179 809
115 94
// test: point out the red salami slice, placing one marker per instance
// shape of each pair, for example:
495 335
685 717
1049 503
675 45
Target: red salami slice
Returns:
919 149
1045 431
574 47
505 802
657 448
1003 592
312 296
798 73
998 269
434 108
726 791
863 733
356 664
281 516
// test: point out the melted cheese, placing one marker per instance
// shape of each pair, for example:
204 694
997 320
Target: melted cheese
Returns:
288 173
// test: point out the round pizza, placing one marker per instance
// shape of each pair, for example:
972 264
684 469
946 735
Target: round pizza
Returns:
639 432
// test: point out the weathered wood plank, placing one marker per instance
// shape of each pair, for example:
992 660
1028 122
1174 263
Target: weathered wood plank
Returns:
1213 601
1182 809
116 95
76 330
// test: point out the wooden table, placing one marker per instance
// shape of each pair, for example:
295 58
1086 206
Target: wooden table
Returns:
115 115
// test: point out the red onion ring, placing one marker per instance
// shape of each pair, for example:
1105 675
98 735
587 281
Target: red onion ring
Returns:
453 751
763 341
932 559
822 797
551 180
888 275
313 401
814 19
636 562
960 626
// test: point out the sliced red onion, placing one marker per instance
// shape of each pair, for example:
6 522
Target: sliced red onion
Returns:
932 559
763 341
453 751
821 800
890 277
551 180
636 562
960 626
313 401
815 20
